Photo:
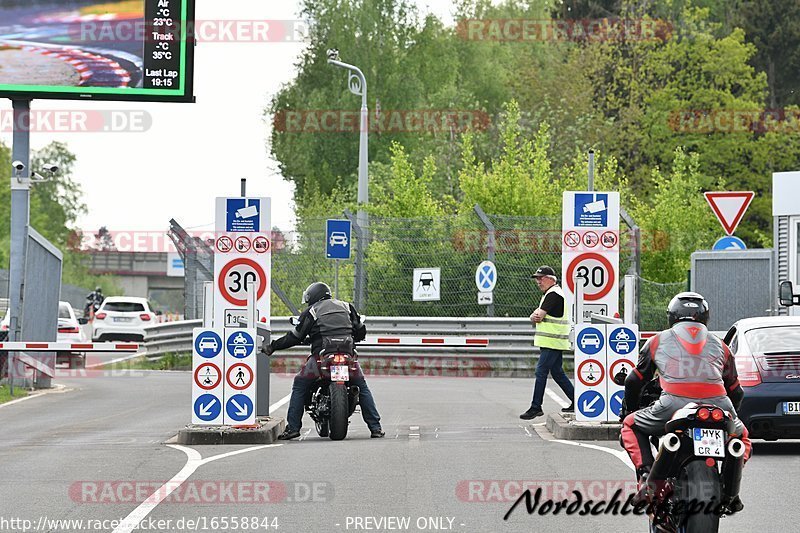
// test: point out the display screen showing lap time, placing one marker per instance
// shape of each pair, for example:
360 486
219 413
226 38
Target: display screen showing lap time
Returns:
97 49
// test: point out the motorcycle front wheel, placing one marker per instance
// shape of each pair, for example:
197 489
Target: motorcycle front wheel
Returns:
339 411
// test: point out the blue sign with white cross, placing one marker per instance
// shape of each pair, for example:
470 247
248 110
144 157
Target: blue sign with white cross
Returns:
486 276
337 239
591 404
207 407
243 214
591 210
238 407
240 344
616 402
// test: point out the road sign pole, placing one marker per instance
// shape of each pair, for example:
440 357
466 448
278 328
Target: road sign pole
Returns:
208 304
336 280
579 300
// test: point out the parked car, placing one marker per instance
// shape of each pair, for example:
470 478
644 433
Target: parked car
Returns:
767 352
122 318
69 330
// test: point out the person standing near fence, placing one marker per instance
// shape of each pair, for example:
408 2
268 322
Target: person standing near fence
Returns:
552 338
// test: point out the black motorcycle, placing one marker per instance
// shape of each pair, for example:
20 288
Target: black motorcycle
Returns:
696 470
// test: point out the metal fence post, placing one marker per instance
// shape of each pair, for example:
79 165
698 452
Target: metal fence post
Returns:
490 245
636 261
360 270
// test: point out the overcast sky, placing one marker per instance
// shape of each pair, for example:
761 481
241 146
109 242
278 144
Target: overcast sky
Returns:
194 152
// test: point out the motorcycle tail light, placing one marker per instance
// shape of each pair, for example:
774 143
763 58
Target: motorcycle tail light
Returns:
703 414
100 316
339 358
717 415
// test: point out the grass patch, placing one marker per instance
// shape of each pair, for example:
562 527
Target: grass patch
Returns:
170 361
5 393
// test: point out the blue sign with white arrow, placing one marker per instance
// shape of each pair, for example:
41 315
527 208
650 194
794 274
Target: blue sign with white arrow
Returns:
239 407
337 239
622 340
591 404
207 407
729 242
616 402
208 344
240 344
590 341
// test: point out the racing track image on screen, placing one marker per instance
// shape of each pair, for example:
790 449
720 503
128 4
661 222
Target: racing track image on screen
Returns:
101 49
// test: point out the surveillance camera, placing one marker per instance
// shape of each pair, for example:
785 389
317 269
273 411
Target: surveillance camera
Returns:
333 54
19 166
51 168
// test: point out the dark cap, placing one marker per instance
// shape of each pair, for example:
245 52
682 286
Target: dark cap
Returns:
543 271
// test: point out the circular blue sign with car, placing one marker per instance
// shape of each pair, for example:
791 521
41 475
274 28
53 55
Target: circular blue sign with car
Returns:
240 344
590 341
208 344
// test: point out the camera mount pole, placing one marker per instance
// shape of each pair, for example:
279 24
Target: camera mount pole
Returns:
20 219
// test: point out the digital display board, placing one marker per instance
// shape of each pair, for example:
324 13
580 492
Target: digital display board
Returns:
97 49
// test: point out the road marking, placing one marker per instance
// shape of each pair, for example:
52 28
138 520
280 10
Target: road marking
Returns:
120 360
193 462
619 454
56 388
556 398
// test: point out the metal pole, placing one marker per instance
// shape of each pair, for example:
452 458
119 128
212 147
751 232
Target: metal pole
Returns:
244 187
20 219
591 170
336 280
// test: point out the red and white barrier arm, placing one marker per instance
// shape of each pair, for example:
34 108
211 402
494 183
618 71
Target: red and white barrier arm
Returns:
68 347
402 340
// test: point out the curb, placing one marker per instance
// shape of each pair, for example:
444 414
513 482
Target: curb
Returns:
565 429
266 432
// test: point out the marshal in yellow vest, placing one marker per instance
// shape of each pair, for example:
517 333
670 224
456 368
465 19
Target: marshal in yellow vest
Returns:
553 332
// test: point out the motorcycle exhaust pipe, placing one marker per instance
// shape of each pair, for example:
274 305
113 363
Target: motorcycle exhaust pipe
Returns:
732 469
667 450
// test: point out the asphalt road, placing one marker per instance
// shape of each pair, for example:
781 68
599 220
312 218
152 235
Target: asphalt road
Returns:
453 457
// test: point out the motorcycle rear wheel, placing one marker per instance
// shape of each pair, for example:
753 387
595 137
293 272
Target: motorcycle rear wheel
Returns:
700 483
339 411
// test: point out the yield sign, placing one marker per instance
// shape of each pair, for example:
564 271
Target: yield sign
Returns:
729 207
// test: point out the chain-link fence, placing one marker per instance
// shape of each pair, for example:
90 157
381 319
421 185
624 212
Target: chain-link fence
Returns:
653 300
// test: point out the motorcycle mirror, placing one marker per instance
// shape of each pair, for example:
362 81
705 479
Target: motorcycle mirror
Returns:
293 320
363 318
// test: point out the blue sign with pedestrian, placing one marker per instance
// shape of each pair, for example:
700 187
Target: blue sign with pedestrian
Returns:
729 242
622 340
337 239
240 344
239 407
616 402
591 404
208 344
243 214
207 407
590 341
591 210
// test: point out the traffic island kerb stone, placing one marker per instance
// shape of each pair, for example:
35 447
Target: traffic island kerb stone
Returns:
266 431
569 429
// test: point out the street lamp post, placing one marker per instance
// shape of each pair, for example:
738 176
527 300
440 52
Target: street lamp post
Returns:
357 84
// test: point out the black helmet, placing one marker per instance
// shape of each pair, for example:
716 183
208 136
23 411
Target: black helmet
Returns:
316 292
687 306
98 289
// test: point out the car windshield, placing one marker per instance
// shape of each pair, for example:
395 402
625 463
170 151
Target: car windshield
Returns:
124 307
63 312
774 339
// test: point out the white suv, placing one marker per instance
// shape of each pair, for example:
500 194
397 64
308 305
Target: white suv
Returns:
122 318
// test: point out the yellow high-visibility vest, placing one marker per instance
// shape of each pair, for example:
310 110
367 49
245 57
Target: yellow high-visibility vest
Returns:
553 332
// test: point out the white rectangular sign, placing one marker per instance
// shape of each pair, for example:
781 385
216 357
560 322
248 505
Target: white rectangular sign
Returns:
590 249
208 367
240 376
427 284
243 257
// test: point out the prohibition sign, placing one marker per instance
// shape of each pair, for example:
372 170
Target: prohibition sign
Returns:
590 239
242 281
572 239
594 370
207 373
261 244
616 366
242 244
224 244
609 239
608 276
239 372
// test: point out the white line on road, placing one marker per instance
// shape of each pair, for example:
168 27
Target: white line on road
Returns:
556 398
56 388
193 462
619 454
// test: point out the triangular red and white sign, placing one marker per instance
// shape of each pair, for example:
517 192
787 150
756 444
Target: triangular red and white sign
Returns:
729 207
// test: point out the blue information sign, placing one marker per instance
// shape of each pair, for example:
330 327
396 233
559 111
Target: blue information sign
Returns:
337 239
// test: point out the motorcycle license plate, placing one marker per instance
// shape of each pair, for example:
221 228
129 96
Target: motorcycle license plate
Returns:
340 373
709 442
791 408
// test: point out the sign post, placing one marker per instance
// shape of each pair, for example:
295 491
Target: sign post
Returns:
590 250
